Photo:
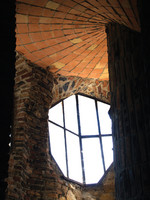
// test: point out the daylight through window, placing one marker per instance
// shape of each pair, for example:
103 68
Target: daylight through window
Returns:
81 138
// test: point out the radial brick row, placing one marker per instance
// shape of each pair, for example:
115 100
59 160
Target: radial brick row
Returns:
68 36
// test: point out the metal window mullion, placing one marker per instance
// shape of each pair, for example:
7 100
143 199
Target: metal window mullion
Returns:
66 152
89 136
80 139
49 141
100 136
63 127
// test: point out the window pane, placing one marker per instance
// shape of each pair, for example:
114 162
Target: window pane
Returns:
88 117
74 158
71 114
92 160
57 146
107 149
105 121
56 114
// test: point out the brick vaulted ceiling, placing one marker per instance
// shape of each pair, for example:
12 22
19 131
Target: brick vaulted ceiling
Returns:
68 36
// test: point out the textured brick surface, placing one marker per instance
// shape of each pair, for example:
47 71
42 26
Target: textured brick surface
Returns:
130 110
33 174
129 73
66 86
70 35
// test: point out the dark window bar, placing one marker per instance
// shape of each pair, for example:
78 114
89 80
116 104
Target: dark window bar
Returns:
63 127
100 137
65 139
80 140
82 136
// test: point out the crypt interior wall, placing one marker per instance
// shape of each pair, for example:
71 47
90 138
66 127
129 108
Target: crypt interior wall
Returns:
8 49
33 174
129 85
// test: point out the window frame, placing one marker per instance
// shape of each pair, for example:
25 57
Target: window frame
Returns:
80 136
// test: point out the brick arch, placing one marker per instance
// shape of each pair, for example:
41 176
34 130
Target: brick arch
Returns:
67 86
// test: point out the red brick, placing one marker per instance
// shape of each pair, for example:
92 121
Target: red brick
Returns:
36 36
69 2
21 72
57 33
47 61
82 65
22 8
49 50
53 69
73 74
46 35
31 47
76 70
64 9
22 28
61 39
90 65
87 71
56 56
47 13
33 19
68 31
34 28
58 47
44 27
97 71
66 44
57 21
68 26
27 75
37 2
94 75
56 26
83 75
18 42
30 57
41 64
64 73
59 15
34 10
74 63
25 39
68 67
79 51
68 58
38 54
50 42
41 45
79 7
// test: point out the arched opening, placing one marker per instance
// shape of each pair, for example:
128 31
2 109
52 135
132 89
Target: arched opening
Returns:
81 138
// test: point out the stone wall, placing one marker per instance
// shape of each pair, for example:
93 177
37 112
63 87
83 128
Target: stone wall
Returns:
66 86
104 190
33 174
129 85
29 169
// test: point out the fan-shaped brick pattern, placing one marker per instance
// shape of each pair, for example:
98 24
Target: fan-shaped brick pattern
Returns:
68 36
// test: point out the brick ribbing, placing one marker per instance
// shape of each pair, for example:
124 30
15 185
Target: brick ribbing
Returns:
69 36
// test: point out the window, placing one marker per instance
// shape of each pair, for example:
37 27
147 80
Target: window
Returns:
80 138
